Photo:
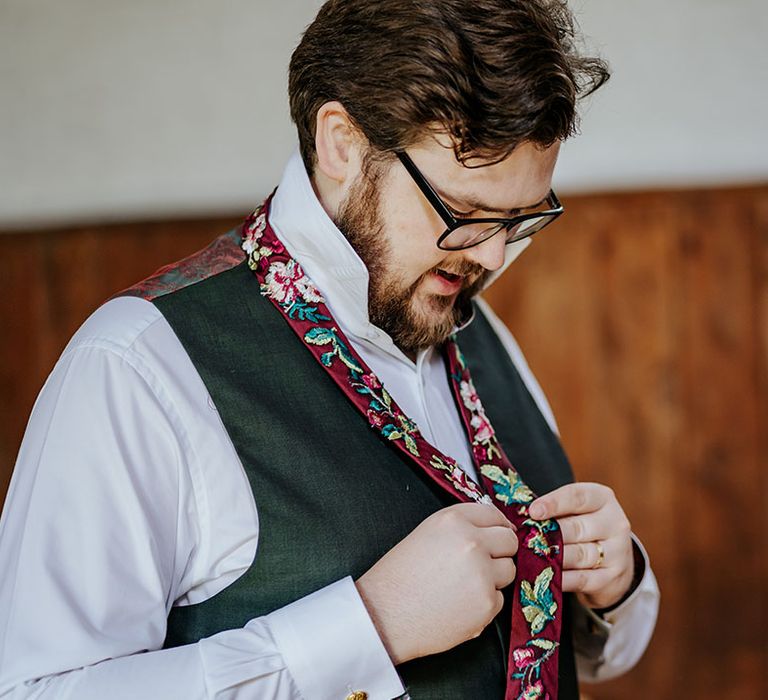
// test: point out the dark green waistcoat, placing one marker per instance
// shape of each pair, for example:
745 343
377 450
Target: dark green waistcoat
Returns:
332 497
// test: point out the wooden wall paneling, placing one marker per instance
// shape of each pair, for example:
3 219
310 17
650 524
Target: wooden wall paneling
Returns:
632 413
719 452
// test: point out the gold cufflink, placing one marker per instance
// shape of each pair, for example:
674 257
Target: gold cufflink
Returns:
358 695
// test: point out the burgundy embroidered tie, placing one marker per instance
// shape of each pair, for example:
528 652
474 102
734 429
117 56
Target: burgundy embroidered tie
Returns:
537 601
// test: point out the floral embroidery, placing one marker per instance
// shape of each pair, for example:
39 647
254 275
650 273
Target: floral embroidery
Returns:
286 283
509 487
253 232
458 477
523 657
484 446
469 395
382 416
536 660
483 429
528 661
539 606
535 691
329 336
536 539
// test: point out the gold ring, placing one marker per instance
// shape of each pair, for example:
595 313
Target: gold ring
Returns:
600 556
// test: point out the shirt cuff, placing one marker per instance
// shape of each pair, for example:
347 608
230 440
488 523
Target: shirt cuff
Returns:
331 648
610 645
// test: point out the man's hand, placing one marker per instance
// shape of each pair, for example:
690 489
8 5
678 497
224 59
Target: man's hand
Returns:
591 521
441 585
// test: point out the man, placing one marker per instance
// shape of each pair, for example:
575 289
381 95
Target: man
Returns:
216 495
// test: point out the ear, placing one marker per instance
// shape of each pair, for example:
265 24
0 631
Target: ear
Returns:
337 143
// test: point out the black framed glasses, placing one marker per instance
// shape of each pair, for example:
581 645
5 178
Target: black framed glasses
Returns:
464 233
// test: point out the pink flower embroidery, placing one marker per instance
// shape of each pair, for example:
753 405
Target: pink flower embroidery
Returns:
469 396
286 282
479 452
460 482
533 691
277 247
483 429
375 419
523 657
371 381
253 234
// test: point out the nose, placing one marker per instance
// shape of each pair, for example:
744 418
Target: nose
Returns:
490 253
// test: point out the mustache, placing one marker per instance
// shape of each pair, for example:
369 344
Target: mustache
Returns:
463 268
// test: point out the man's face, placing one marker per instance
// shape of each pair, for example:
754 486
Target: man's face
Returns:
417 291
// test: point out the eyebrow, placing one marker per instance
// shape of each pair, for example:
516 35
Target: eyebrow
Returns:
470 203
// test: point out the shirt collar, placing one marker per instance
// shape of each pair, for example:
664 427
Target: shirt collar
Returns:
311 237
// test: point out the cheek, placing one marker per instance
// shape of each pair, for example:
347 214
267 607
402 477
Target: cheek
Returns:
416 256
412 227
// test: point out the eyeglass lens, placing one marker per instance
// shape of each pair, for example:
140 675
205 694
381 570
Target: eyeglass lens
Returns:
472 234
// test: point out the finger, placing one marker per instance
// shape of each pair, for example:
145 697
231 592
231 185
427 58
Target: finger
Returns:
584 555
503 572
482 514
571 499
499 541
590 582
592 527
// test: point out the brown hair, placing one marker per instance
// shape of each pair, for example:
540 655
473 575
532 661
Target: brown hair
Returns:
491 73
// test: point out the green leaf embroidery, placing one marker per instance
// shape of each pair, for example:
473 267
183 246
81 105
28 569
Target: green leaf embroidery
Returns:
324 336
459 355
539 606
541 586
410 443
318 336
509 487
304 312
492 449
545 644
535 617
438 463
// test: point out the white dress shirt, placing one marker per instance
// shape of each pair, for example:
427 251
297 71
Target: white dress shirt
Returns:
128 498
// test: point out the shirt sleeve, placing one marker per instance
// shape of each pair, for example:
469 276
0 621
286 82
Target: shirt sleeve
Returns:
92 561
608 646
605 646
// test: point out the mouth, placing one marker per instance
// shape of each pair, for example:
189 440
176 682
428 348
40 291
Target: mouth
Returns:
450 276
448 282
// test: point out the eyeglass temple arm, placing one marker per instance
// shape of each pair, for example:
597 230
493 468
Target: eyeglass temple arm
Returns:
426 189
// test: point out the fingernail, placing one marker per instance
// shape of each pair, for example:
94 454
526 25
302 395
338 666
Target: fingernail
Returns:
537 510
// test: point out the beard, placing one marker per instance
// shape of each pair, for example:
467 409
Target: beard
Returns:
392 303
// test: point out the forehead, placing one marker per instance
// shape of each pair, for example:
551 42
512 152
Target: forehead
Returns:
522 179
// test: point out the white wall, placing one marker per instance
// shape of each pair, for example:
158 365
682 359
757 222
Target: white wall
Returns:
112 109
